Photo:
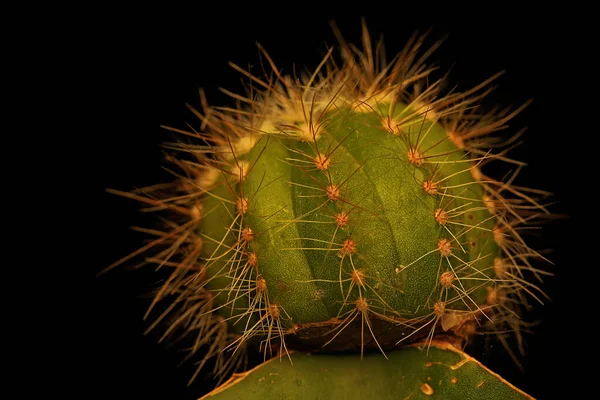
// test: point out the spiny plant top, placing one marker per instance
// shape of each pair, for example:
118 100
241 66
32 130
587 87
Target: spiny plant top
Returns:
342 210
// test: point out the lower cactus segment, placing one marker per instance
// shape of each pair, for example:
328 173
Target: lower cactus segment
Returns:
443 372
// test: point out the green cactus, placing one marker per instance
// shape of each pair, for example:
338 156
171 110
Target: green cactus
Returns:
409 373
344 210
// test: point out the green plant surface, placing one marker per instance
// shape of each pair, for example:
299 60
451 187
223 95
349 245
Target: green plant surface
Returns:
416 372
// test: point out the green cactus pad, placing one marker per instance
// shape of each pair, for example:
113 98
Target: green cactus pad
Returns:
441 372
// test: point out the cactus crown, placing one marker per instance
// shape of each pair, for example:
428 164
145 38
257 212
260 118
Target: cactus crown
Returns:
343 209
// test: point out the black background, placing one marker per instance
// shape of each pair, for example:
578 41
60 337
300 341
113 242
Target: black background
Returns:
151 66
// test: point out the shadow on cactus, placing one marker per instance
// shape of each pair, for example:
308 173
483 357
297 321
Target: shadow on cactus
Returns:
346 209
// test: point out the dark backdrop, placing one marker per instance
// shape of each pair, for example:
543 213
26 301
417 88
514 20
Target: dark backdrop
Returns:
151 66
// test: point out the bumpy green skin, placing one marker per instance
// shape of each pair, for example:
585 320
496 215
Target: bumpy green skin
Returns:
410 373
391 221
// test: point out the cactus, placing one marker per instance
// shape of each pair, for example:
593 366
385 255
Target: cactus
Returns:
409 373
343 210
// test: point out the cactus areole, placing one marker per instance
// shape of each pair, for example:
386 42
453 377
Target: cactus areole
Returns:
346 209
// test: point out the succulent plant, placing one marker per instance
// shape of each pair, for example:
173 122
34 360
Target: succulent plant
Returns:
346 209
410 372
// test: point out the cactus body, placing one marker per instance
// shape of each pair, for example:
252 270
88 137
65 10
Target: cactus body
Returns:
370 221
343 210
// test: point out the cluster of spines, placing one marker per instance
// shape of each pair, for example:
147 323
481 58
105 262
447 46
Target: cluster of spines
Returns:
295 108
